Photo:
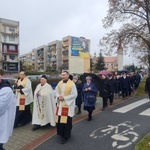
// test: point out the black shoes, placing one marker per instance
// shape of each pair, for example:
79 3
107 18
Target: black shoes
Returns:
36 127
64 140
79 112
90 118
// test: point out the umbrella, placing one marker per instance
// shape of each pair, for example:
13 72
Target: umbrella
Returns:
124 71
104 72
96 79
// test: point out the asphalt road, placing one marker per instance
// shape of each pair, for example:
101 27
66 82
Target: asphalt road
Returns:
120 127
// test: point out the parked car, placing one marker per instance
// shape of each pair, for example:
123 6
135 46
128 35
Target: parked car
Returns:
10 80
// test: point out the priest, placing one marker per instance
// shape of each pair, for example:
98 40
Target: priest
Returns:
44 105
66 94
24 98
7 111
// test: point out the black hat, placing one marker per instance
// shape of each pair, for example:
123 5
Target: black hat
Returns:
44 76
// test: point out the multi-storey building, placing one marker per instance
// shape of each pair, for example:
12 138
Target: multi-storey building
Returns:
9 45
76 54
40 61
54 56
72 54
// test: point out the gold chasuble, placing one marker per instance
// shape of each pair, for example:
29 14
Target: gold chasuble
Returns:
65 108
22 96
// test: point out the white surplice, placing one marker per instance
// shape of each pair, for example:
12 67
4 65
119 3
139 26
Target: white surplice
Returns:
7 113
27 90
69 100
44 106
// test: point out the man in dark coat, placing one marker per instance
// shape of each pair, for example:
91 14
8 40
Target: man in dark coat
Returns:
147 86
79 98
112 88
137 80
125 85
118 86
104 91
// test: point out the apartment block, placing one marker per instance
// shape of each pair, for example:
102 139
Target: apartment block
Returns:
54 56
76 54
72 54
9 45
40 58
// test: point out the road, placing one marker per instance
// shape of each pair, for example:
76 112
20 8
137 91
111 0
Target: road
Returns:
119 127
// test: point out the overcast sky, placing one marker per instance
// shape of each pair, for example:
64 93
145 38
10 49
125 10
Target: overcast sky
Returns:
44 21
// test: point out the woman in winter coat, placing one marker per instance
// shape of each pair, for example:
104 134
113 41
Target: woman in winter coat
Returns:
90 93
79 98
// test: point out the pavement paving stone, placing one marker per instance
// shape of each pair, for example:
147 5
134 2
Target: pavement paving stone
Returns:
24 135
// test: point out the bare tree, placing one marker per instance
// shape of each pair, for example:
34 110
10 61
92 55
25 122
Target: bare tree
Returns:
134 31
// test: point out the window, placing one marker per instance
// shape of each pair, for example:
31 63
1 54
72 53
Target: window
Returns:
5 48
12 48
11 29
12 57
5 57
11 38
4 28
4 38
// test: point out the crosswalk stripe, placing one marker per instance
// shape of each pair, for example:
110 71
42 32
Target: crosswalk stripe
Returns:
146 112
131 106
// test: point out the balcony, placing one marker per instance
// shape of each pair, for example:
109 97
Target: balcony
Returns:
65 58
65 52
65 44
53 65
65 65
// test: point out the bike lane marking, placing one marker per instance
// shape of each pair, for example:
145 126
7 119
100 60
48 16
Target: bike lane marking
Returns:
131 106
118 136
146 112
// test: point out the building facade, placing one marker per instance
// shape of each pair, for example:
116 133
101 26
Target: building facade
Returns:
72 54
76 54
111 63
40 58
9 45
54 56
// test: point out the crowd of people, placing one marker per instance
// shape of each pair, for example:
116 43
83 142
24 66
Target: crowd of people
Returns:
55 105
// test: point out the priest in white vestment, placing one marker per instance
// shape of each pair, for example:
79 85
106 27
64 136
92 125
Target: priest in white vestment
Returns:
24 98
44 107
66 94
7 113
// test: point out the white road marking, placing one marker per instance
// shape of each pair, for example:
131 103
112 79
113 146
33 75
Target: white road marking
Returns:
146 112
131 106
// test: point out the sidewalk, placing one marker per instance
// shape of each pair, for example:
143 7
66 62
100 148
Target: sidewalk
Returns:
25 139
